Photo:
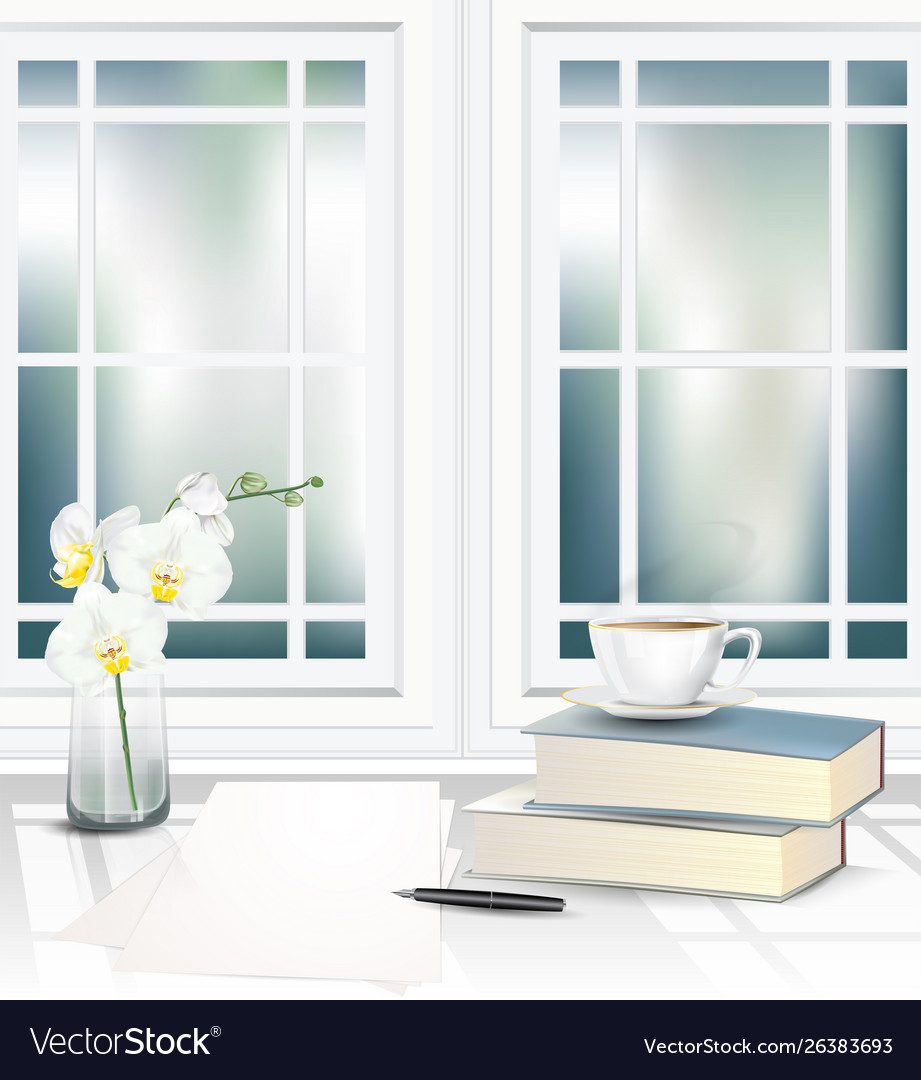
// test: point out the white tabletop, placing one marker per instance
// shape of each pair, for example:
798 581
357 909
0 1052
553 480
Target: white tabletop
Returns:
855 935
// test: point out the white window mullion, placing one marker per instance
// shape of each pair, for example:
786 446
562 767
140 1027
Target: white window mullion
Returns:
296 612
837 450
629 561
86 320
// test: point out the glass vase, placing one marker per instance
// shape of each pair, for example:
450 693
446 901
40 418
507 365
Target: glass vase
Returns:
118 769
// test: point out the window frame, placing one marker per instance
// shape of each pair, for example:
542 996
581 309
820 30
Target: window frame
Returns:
392 707
523 677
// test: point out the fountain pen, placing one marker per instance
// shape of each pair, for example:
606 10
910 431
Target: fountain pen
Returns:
473 898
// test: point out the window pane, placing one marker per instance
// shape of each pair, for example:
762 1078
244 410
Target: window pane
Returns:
335 238
589 486
48 237
589 236
155 426
877 640
877 82
225 640
589 82
575 642
33 638
47 474
191 237
334 437
732 237
335 82
877 510
191 82
779 641
47 82
733 82
733 485
335 640
783 640
877 236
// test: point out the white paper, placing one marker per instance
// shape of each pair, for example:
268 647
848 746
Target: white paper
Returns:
297 879
112 920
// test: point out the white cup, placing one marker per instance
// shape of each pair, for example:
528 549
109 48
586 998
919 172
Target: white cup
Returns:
665 661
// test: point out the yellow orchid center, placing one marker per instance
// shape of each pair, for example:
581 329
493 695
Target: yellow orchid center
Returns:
167 577
112 653
78 559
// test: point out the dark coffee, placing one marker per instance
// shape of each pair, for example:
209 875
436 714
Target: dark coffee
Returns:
659 625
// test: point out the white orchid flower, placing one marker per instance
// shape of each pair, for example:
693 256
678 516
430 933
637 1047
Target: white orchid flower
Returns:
78 547
201 494
172 560
105 634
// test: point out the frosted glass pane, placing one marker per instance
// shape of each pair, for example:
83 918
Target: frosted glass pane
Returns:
155 426
877 640
334 437
877 82
47 82
732 237
732 82
589 82
212 640
335 238
191 237
877 236
48 237
733 485
335 82
191 82
589 486
335 640
47 473
589 236
877 464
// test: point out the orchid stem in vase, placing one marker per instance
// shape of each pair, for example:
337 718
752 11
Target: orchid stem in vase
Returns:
122 716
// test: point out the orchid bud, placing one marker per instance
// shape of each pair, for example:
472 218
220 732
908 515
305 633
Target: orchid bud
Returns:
201 494
292 498
251 482
315 481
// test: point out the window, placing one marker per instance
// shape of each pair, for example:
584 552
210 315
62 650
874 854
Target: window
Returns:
716 376
213 272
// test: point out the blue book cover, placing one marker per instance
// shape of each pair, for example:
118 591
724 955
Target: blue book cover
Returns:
736 728
815 769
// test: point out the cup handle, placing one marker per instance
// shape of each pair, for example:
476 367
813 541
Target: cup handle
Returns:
753 637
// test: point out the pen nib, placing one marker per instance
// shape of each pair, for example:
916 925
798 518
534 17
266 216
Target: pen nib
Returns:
403 892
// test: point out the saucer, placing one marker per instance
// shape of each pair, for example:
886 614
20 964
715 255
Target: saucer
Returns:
706 703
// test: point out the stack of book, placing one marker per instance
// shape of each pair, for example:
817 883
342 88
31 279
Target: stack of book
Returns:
744 802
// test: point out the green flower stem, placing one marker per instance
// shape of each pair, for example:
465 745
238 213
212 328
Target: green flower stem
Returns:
252 495
274 491
121 719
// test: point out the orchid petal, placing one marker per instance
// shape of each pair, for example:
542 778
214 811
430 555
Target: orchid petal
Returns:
219 528
198 614
116 523
73 525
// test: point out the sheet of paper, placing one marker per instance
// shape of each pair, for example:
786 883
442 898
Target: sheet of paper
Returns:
297 879
112 920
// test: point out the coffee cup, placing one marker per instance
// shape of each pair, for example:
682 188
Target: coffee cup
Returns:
666 661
